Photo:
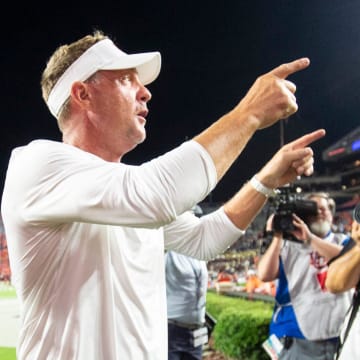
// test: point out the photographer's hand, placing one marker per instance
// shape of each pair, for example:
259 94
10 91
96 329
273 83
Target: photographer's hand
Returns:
324 248
302 231
270 228
269 223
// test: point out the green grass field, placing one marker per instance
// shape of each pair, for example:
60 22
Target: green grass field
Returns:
7 294
7 353
215 304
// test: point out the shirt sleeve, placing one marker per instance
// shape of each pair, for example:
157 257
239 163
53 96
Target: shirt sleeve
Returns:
65 184
202 238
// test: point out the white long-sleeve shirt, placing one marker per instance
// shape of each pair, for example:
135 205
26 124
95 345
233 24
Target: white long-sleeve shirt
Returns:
86 243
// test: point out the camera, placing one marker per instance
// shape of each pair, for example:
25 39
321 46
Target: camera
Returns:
288 203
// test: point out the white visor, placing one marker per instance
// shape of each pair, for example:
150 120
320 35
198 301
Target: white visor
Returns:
103 55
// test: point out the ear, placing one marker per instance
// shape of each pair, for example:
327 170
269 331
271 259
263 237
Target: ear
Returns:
80 94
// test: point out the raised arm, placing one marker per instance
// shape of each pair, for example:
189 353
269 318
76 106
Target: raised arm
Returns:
269 99
268 266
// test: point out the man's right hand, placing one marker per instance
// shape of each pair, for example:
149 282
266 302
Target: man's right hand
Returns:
272 97
269 99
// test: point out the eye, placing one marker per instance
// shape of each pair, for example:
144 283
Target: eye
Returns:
125 78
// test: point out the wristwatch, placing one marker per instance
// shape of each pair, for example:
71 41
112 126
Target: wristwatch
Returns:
261 188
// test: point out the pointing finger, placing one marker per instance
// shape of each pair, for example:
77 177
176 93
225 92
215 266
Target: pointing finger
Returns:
284 70
307 139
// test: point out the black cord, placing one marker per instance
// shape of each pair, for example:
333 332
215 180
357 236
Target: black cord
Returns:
354 309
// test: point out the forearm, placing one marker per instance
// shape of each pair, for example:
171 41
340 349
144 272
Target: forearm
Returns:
226 138
268 266
243 207
344 273
324 248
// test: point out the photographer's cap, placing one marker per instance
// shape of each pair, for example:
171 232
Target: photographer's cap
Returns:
103 55
356 213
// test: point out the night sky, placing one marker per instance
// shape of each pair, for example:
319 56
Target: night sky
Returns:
211 55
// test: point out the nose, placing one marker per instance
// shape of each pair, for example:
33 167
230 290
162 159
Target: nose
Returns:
144 94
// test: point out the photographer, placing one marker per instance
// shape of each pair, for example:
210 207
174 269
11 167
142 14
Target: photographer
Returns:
306 318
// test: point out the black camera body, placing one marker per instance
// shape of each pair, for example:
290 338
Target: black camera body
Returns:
288 203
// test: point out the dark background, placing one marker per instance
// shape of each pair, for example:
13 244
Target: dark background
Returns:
211 51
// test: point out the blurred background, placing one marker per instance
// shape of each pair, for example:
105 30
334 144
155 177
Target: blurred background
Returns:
212 52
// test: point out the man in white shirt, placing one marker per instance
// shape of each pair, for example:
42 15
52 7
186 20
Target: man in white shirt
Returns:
86 233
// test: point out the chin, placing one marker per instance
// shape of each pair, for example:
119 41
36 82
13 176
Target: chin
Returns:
137 137
141 140
320 228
